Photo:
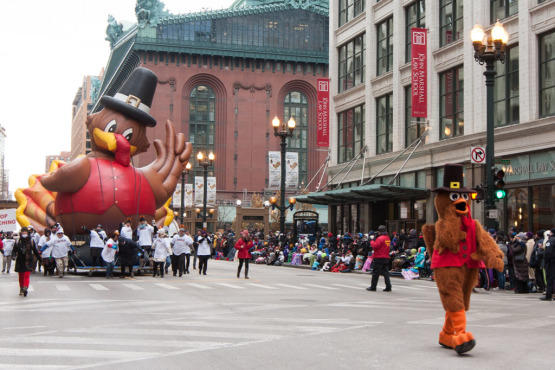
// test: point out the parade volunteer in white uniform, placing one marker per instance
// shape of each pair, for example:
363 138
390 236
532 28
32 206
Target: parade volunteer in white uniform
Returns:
127 231
182 244
109 253
162 249
144 234
46 253
61 245
203 251
97 245
7 253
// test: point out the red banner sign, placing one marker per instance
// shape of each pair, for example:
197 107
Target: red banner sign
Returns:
419 72
323 113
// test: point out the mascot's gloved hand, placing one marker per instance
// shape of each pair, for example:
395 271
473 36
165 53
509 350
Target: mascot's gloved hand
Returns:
492 262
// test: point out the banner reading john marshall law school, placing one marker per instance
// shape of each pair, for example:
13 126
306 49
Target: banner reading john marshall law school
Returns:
419 72
291 170
323 93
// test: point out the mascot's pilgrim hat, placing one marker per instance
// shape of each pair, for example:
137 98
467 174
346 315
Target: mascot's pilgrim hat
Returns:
134 99
453 179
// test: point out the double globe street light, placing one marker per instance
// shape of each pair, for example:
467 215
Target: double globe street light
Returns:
188 167
205 161
283 131
489 48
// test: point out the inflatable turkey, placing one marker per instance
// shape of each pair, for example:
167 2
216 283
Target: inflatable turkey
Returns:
103 187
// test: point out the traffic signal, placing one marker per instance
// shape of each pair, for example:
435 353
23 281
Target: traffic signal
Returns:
499 183
478 194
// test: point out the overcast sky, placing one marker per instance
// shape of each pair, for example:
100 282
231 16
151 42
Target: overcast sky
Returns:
47 49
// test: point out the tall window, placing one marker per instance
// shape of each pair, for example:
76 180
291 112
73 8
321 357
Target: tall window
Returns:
415 16
350 133
500 9
384 124
547 74
385 46
348 9
202 111
351 63
414 126
296 105
451 101
505 93
450 20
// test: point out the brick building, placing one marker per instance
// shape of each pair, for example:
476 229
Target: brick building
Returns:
84 98
223 75
63 156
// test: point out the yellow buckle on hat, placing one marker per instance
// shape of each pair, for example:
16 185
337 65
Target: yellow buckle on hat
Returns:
455 185
133 100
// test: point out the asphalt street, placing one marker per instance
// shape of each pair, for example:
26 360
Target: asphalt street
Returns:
282 318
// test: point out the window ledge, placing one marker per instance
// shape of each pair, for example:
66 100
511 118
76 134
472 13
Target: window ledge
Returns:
539 7
446 48
351 23
352 90
383 76
381 4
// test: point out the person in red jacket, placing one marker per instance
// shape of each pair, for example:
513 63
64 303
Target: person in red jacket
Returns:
380 264
244 245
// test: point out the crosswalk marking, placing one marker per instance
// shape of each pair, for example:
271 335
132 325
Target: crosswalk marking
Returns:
230 286
62 288
349 286
292 286
69 352
166 286
199 286
98 287
133 286
31 367
256 285
320 286
154 332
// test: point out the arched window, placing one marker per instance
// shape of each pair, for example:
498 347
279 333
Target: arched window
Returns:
202 111
296 105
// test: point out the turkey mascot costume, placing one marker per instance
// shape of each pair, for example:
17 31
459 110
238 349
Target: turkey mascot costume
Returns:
458 246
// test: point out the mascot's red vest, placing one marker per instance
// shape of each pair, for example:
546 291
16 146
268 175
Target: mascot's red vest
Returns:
110 184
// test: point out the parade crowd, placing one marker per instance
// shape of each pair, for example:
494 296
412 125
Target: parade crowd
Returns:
529 257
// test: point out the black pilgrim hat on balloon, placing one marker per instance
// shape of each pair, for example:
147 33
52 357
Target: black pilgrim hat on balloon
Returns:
453 179
134 98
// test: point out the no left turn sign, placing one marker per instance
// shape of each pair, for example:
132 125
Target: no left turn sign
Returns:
477 155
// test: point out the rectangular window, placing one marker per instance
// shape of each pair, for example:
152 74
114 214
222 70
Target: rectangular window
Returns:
384 124
415 17
547 74
450 20
414 126
451 101
505 93
500 9
351 63
349 9
385 46
350 133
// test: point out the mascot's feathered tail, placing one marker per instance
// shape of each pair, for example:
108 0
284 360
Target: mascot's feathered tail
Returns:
36 204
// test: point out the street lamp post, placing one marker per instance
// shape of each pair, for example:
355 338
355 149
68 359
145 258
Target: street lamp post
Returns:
487 50
283 131
182 208
205 162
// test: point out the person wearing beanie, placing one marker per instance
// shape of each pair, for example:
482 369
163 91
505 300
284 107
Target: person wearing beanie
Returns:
61 245
109 253
380 263
203 251
162 249
182 244
23 251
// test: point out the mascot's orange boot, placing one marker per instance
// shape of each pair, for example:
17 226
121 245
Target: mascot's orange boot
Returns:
447 333
463 341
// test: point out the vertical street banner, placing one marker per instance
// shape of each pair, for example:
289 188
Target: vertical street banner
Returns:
274 163
211 190
8 220
176 198
199 190
323 97
292 170
419 72
188 195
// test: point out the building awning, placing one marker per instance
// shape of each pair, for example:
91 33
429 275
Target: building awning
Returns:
364 193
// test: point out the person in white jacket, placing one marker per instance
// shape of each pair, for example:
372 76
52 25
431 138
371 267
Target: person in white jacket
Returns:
8 242
109 253
182 244
46 253
162 250
145 233
61 245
